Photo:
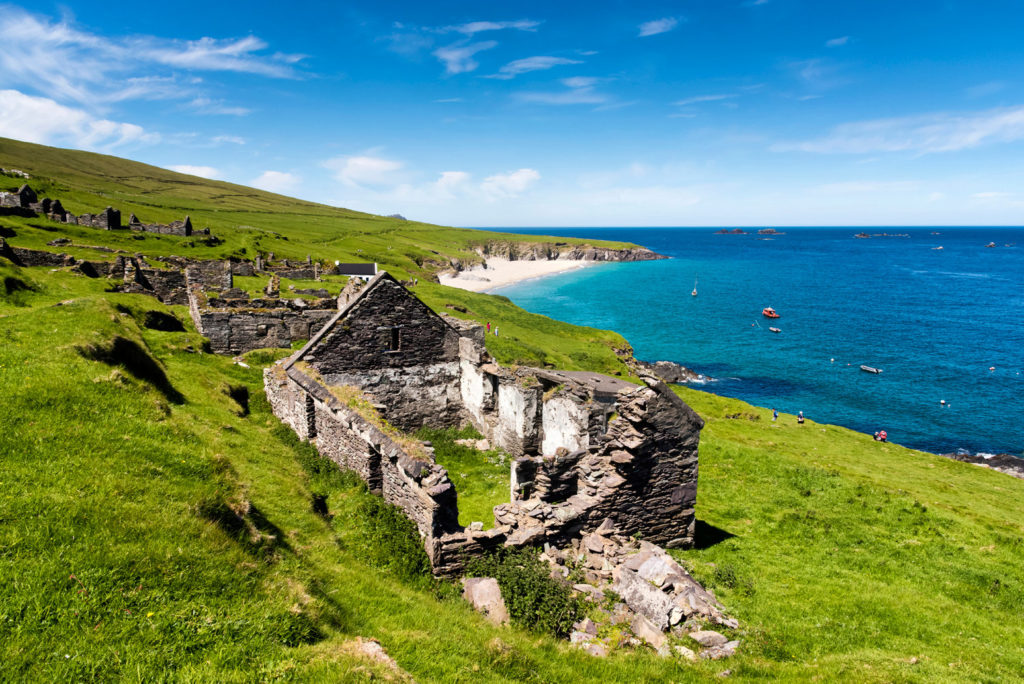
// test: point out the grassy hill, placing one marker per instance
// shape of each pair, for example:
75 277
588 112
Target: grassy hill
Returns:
157 522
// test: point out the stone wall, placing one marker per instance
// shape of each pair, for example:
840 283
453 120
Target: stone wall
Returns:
642 475
239 330
416 484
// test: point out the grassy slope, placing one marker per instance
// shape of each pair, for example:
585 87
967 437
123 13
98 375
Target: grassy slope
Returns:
849 558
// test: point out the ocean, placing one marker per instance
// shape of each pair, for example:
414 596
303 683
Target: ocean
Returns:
944 325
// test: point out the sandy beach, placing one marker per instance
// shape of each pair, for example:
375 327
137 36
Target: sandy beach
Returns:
500 272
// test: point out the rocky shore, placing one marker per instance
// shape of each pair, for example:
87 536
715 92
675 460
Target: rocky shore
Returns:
1004 463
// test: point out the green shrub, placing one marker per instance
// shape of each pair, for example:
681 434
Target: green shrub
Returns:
389 541
534 599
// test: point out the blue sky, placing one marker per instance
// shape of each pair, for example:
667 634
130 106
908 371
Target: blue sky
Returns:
713 112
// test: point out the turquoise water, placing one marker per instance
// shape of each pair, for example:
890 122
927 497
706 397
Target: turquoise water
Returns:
934 320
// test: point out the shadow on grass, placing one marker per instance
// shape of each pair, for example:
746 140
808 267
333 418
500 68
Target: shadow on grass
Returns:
707 535
137 361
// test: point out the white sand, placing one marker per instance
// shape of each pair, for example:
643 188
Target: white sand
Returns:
500 272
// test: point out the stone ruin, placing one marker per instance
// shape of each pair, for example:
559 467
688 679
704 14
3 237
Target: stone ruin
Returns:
25 202
236 323
597 462
587 447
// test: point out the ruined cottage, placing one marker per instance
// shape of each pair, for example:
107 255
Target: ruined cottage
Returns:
586 447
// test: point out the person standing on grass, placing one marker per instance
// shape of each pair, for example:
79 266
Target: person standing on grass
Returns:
800 418
775 415
488 327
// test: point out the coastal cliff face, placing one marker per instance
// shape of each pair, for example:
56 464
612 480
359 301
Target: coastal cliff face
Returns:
536 251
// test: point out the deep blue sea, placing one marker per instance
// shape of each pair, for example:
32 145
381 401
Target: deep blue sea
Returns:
935 321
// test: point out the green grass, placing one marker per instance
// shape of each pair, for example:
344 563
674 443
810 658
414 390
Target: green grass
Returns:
481 478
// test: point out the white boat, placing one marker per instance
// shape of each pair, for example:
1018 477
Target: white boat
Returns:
870 369
694 293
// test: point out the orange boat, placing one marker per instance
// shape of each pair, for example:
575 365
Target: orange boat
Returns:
769 312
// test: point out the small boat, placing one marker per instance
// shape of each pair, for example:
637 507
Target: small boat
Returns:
939 247
991 244
694 293
869 369
774 329
769 312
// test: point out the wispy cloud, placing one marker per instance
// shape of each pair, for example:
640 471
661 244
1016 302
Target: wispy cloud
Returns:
205 105
233 139
70 64
41 120
929 133
837 42
458 57
522 66
511 184
474 27
754 3
365 171
201 171
448 100
704 98
818 73
579 90
277 181
653 28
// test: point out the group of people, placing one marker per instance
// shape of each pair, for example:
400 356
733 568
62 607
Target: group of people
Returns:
489 329
880 436
799 416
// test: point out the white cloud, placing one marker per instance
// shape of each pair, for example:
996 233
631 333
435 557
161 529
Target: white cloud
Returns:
233 139
277 181
522 66
929 133
990 195
754 3
213 54
448 100
473 27
66 63
581 90
41 120
458 57
837 42
653 28
201 171
452 183
366 171
703 98
205 105
512 184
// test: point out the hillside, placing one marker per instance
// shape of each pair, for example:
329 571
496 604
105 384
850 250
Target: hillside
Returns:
157 522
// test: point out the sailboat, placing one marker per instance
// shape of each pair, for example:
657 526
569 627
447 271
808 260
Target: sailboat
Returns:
694 293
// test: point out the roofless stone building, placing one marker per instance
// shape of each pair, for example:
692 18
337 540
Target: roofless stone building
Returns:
586 447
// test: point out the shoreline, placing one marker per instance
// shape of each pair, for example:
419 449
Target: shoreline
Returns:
499 272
